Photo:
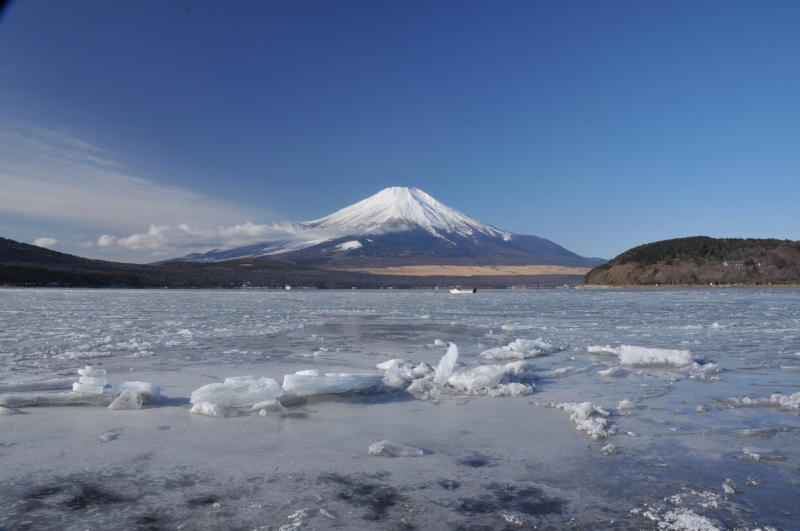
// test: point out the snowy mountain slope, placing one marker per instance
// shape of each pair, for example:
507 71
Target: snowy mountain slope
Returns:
403 226
410 207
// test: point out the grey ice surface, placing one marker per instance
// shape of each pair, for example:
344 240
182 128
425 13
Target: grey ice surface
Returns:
708 445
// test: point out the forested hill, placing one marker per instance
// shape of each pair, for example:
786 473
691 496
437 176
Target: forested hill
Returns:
22 264
703 260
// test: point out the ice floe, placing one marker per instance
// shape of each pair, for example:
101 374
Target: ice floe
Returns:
614 372
238 391
520 349
483 377
37 385
312 383
389 449
644 356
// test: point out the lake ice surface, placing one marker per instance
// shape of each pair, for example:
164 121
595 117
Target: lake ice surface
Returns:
697 446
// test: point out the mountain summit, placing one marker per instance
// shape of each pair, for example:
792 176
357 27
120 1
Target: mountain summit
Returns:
403 227
409 207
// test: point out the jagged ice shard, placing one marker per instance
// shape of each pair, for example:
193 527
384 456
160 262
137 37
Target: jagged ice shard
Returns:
445 367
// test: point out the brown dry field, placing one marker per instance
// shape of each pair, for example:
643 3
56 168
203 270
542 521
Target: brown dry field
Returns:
471 271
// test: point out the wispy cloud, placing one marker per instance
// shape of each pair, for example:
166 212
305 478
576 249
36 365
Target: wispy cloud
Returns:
161 239
45 242
52 175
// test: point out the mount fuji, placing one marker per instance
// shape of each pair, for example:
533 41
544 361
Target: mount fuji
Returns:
403 227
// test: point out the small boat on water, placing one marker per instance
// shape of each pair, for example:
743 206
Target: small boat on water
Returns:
458 289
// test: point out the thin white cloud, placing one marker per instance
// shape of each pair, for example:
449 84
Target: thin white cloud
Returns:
159 239
52 175
45 242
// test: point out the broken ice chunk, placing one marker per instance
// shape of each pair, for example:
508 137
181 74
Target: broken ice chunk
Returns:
212 410
728 487
608 449
615 372
86 388
445 367
386 365
626 404
439 343
302 384
55 399
145 388
761 454
240 391
92 372
643 356
109 436
38 385
420 386
511 389
394 379
485 376
129 399
582 416
390 449
421 370
94 380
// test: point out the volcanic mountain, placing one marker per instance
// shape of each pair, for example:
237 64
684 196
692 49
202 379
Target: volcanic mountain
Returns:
400 227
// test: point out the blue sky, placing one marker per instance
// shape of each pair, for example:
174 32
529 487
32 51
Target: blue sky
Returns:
597 125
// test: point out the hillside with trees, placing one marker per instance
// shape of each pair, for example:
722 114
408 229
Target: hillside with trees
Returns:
703 260
22 264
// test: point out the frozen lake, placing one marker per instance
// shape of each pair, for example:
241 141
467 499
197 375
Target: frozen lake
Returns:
708 443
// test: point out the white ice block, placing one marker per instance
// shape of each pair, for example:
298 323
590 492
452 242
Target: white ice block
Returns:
483 377
239 391
390 449
145 388
55 399
86 388
644 356
302 384
37 385
445 367
93 380
129 399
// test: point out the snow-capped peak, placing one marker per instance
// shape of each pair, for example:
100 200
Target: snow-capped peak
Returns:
399 206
